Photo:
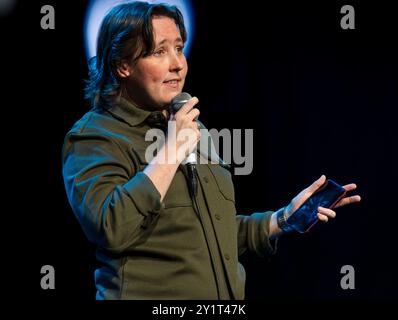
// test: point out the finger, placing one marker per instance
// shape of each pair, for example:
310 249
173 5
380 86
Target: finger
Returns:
305 194
327 212
350 187
322 217
348 200
188 106
317 184
192 114
196 132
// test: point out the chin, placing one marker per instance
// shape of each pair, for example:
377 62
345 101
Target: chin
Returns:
164 103
171 95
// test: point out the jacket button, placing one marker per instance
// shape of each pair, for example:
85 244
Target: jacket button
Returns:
206 179
226 256
218 217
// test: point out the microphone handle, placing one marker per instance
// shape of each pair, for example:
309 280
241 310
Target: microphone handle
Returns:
192 179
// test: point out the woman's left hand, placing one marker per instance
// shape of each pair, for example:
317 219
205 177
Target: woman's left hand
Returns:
323 213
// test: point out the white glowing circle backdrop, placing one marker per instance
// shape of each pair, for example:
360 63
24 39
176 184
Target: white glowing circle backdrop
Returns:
97 9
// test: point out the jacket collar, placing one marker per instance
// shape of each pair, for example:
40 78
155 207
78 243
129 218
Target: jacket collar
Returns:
128 112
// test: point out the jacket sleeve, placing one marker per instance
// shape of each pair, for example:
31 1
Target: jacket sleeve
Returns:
253 234
111 200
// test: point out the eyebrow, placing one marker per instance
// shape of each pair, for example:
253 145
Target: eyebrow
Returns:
165 40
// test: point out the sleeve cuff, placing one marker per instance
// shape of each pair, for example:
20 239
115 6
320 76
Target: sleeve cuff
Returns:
259 241
144 194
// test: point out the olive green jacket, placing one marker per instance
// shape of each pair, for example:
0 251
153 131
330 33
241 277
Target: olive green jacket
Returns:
149 249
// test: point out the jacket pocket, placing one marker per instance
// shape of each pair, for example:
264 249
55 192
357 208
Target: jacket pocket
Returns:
224 182
177 195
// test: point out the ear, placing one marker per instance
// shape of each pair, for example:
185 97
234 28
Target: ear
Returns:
123 69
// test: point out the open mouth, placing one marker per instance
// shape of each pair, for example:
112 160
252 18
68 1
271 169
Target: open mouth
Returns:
172 83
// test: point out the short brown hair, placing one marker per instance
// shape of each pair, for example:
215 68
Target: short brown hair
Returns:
126 33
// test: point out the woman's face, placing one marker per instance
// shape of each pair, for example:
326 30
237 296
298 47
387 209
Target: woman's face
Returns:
157 78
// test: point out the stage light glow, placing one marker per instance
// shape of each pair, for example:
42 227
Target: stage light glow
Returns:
97 9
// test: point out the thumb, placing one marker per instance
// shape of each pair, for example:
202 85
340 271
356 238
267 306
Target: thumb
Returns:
317 184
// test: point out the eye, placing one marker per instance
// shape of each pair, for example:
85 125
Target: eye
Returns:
179 49
159 52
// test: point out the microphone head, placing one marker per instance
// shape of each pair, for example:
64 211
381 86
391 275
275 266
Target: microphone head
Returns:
179 100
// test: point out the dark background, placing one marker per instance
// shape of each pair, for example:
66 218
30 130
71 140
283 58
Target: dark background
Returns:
321 100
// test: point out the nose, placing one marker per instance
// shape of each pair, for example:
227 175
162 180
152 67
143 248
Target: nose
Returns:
176 62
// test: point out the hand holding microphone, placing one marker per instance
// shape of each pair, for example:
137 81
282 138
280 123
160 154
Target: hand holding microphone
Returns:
185 115
162 168
186 130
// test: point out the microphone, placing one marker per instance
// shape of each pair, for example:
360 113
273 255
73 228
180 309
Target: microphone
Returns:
191 161
176 104
179 100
